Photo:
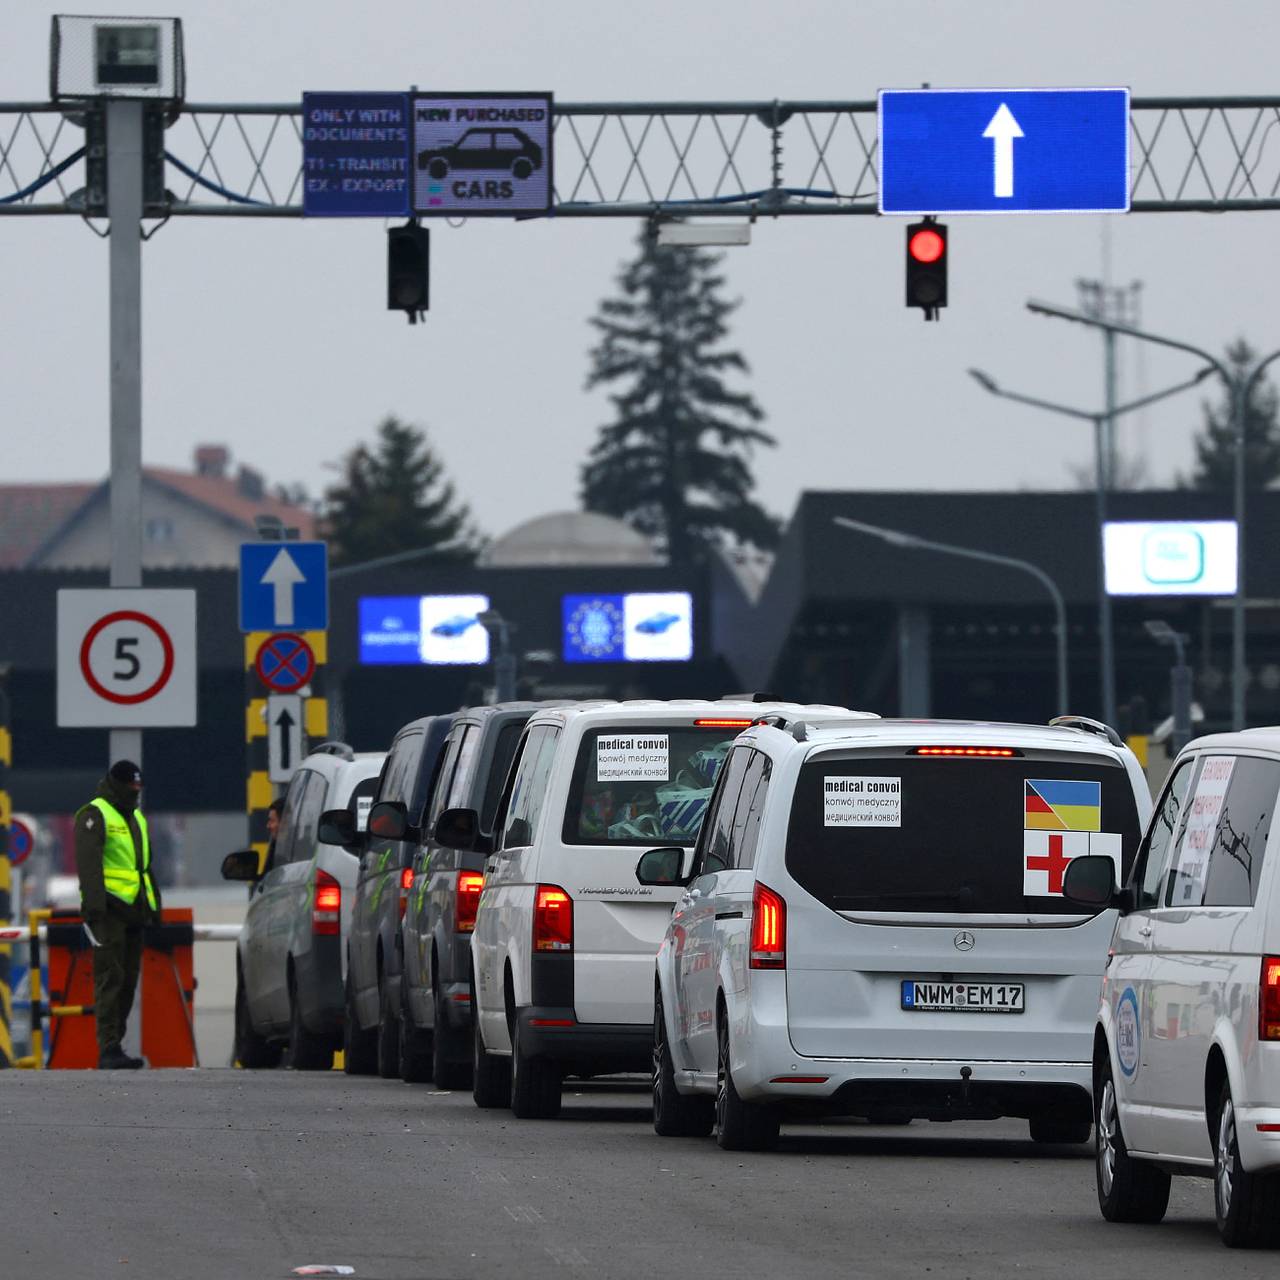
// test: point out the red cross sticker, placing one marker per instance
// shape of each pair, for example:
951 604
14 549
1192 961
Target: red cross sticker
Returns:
1055 862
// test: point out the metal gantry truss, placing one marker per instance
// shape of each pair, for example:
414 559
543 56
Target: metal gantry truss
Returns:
648 159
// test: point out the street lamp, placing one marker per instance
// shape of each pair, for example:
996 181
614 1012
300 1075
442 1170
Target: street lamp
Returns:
1101 485
909 542
504 661
1239 390
1179 679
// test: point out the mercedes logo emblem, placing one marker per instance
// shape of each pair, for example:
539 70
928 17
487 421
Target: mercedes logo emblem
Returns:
964 940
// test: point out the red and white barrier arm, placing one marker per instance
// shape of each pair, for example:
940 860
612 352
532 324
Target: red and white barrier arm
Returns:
202 932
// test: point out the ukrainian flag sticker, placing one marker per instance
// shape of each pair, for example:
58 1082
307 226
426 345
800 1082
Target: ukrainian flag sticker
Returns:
1055 804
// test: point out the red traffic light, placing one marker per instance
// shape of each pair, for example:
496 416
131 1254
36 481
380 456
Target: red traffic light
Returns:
926 245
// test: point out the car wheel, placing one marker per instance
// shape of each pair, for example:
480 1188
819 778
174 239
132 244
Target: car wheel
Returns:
449 1059
1128 1190
438 168
359 1047
490 1074
415 1044
1060 1127
1246 1205
536 1090
388 1034
674 1114
740 1126
307 1051
250 1050
521 168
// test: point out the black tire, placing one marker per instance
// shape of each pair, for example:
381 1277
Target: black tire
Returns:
1246 1205
438 168
521 168
490 1074
740 1126
359 1047
388 1033
536 1083
250 1050
1128 1190
674 1114
307 1051
1060 1128
415 1043
449 1058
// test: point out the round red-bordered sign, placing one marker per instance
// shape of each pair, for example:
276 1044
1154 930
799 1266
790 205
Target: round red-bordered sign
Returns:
285 662
21 842
166 666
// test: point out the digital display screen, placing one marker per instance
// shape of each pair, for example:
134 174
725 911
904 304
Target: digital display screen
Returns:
640 626
1170 558
437 630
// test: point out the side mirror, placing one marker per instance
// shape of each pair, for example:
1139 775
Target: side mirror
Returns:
1090 882
241 865
664 867
458 829
337 826
389 820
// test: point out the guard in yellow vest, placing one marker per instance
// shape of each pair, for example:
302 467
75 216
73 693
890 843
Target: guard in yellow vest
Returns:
118 896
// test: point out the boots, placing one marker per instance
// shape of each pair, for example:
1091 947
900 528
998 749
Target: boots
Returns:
114 1058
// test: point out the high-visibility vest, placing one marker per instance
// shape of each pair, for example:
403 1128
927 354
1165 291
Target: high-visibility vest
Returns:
119 859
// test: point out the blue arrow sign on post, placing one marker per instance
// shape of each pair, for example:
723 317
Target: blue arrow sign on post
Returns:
284 586
1004 151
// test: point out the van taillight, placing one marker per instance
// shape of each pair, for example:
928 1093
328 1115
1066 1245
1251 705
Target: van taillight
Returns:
467 903
1269 1000
768 929
552 919
328 906
406 883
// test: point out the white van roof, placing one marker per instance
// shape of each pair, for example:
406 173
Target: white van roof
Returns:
641 709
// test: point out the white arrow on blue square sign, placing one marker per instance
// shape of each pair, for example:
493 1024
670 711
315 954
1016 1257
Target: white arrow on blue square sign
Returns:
284 586
1004 151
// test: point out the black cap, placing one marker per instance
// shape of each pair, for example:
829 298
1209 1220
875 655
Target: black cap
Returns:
127 772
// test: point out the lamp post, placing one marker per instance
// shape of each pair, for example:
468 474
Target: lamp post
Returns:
504 661
1101 452
1179 680
909 542
1239 390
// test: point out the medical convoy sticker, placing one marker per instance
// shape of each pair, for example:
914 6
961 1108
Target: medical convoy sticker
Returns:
636 757
1062 819
1128 1032
860 801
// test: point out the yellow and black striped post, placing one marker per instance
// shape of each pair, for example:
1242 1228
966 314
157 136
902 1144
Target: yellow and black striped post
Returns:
259 790
6 816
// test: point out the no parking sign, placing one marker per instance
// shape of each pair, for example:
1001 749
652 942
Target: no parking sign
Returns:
126 659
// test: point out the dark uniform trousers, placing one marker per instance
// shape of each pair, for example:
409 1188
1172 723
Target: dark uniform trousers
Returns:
117 961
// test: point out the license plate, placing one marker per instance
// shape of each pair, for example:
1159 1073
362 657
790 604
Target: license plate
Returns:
962 997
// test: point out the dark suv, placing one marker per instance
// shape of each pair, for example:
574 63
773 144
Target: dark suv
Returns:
371 1039
486 150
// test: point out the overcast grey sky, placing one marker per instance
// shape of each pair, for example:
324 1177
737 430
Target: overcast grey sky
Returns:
271 336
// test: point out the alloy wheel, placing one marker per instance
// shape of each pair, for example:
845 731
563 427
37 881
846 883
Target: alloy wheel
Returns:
1226 1156
1108 1136
722 1078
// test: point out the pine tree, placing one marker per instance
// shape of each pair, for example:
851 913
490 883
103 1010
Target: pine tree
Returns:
675 462
1216 443
394 497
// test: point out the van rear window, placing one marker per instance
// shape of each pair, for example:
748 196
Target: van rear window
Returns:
910 834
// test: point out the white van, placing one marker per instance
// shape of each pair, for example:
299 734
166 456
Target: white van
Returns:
1187 1048
873 924
564 939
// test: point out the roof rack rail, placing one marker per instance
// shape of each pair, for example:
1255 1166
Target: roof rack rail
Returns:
340 749
1085 725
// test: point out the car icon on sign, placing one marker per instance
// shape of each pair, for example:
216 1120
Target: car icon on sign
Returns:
454 626
658 624
488 150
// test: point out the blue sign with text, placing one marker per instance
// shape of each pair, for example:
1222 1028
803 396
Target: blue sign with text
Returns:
284 586
1004 151
355 155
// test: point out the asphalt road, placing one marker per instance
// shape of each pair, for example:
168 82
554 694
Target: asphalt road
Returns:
236 1175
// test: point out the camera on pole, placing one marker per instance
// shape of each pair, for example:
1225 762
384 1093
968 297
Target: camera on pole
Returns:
408 269
927 267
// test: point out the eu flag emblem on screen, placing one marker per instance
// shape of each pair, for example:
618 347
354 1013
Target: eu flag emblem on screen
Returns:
593 628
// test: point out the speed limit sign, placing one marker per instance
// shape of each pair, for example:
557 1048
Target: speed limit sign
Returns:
126 659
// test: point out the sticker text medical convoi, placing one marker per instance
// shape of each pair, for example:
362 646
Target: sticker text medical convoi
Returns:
861 802
633 758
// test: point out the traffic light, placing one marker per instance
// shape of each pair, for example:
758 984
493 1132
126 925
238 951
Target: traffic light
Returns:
408 269
927 267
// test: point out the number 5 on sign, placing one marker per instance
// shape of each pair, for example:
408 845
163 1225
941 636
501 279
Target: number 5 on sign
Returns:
126 659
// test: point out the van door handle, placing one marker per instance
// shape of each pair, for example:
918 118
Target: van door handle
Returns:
1145 931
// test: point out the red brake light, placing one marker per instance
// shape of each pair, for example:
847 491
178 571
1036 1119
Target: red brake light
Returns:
768 929
326 910
1269 1000
467 902
406 883
720 722
1000 752
926 246
552 919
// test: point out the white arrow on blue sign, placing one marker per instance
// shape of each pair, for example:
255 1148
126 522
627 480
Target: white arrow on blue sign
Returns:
284 586
1004 151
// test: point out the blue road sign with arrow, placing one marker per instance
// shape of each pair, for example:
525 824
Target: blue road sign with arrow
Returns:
284 586
1004 151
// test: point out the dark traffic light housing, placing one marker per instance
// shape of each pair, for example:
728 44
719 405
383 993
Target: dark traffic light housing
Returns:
927 267
408 269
